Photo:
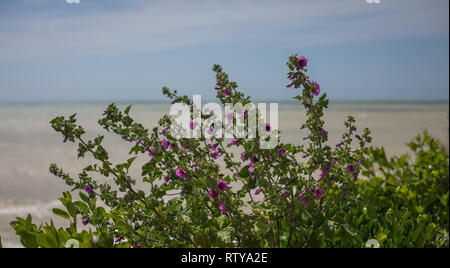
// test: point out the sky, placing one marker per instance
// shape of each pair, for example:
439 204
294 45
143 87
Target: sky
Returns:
112 50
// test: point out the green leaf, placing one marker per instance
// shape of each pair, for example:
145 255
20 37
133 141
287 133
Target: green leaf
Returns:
127 110
28 240
61 213
67 196
72 209
130 162
46 240
244 172
84 197
92 203
81 206
343 224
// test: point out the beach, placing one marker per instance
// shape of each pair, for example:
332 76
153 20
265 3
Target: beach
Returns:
28 144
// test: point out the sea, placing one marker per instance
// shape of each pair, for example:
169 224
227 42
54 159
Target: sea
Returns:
28 144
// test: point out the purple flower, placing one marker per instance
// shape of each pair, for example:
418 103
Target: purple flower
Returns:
268 128
251 170
254 159
351 169
257 191
215 154
316 91
283 193
193 165
138 142
304 155
164 130
305 138
65 139
222 185
104 113
245 112
234 141
165 144
307 188
209 131
184 148
226 93
217 87
339 144
290 85
88 189
151 152
191 125
137 246
243 156
326 169
281 151
303 199
270 158
318 192
358 137
85 221
118 240
214 195
181 173
166 179
302 62
322 132
324 172
223 209
361 160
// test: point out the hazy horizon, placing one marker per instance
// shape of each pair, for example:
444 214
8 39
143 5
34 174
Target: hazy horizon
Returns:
287 101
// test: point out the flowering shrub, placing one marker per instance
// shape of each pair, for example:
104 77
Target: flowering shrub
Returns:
406 203
202 195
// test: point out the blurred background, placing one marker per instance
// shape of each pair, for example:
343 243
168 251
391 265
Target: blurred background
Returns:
385 63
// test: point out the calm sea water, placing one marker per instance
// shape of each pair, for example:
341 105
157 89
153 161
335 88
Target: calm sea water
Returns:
28 144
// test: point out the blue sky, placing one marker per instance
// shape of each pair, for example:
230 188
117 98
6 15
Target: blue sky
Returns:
111 50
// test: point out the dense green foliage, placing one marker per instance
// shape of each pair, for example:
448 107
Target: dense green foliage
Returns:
404 203
276 199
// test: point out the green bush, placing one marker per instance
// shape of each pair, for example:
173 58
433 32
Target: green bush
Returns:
318 202
404 202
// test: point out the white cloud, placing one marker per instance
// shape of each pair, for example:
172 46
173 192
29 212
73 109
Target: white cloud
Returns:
167 25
